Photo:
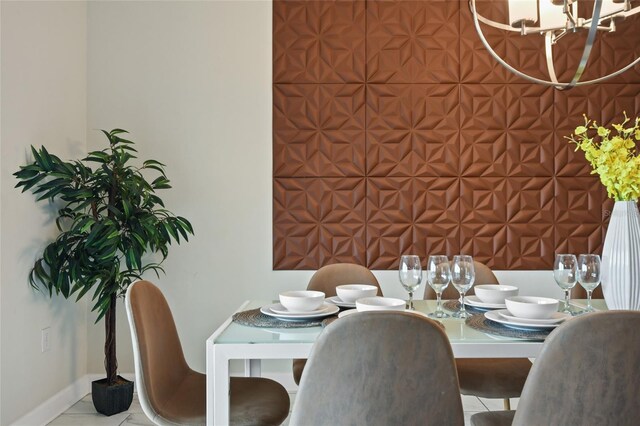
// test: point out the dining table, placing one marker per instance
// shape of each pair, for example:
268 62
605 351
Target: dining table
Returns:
234 341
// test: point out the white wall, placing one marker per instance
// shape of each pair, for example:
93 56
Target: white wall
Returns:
192 82
43 88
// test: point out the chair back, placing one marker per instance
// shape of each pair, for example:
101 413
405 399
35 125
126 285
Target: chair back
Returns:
577 292
380 368
484 275
160 365
587 373
327 278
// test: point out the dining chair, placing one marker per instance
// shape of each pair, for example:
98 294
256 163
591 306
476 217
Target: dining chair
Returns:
326 279
380 368
487 377
577 292
170 392
586 374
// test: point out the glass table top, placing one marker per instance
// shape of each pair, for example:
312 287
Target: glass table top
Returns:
456 329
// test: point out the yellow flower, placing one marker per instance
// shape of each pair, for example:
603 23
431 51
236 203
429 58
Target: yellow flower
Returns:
614 157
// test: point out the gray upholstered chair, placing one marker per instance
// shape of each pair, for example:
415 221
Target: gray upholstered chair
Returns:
170 392
326 279
587 374
380 368
487 377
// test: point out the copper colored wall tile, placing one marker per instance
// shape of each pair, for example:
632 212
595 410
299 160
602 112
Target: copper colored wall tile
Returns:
417 215
318 130
318 41
318 221
395 131
413 42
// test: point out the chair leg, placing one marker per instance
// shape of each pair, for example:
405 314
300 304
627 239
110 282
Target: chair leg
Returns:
507 404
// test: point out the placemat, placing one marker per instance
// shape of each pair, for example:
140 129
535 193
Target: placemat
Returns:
255 318
481 323
454 306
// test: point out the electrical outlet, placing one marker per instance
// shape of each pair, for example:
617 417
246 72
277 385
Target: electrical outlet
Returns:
46 339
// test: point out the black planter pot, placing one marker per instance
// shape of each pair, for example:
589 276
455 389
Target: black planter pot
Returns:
110 400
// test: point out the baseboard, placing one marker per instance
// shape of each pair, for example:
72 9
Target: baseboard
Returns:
54 406
61 401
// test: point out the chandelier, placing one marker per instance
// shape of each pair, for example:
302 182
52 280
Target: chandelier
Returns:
554 19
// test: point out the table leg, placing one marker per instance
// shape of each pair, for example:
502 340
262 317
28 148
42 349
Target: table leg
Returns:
252 368
217 387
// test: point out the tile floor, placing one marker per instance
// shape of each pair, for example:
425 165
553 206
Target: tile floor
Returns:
83 413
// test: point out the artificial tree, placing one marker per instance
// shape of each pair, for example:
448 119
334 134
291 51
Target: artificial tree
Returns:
109 218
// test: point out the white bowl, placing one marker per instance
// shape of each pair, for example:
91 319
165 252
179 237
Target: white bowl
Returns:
495 293
380 304
302 300
531 307
349 293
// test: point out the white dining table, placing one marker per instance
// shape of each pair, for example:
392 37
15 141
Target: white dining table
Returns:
232 341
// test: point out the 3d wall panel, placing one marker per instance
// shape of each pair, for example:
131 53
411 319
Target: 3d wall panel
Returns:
395 132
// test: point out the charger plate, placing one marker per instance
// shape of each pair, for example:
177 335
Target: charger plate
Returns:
480 323
255 318
454 306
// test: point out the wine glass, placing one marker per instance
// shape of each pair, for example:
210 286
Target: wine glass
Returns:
463 275
410 275
589 275
438 277
565 272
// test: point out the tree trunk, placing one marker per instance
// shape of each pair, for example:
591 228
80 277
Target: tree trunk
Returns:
110 361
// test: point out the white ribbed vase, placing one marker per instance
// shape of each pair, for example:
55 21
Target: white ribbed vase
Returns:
621 258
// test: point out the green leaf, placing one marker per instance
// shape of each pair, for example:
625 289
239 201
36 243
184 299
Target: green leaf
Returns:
126 205
98 157
153 162
160 182
117 131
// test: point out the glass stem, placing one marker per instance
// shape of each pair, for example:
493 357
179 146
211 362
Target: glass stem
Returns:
411 301
462 308
566 300
439 303
589 292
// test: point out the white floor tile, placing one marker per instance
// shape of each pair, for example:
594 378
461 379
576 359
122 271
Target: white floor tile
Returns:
83 413
82 407
137 419
472 403
94 419
495 404
135 407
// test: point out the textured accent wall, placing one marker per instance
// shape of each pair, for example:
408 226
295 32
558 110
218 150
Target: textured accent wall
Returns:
395 132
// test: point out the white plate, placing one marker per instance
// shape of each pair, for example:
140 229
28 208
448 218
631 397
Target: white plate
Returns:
279 309
353 311
475 301
338 302
523 325
332 309
555 318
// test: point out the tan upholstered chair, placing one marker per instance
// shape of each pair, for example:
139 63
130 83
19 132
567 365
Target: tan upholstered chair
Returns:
577 292
326 279
170 392
380 368
487 377
587 374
